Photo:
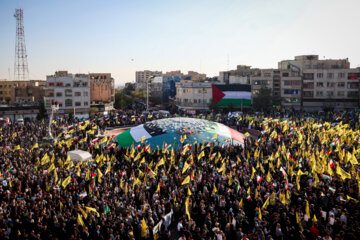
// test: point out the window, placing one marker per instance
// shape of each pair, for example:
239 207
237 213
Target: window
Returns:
59 94
319 75
267 74
50 94
195 100
51 84
329 93
59 84
307 66
353 85
320 84
308 76
205 91
77 94
341 84
285 74
77 104
330 84
261 82
68 85
308 94
309 85
353 94
195 91
330 75
341 75
76 84
84 84
319 93
68 103
341 93
354 76
85 103
68 93
291 91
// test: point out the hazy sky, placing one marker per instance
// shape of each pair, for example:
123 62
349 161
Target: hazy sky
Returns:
209 36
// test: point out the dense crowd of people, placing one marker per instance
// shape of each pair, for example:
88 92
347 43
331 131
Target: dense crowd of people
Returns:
298 180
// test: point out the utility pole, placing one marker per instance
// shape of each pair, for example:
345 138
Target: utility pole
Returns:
21 71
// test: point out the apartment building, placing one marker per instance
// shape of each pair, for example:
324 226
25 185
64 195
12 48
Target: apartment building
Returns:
241 75
142 78
70 92
21 91
326 83
192 95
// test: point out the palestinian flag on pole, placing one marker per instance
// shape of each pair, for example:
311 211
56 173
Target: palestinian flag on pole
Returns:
236 95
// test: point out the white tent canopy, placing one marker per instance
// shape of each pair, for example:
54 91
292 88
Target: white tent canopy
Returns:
79 155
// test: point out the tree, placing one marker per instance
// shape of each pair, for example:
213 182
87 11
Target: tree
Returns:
263 101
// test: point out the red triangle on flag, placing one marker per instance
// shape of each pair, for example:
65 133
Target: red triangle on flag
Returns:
217 94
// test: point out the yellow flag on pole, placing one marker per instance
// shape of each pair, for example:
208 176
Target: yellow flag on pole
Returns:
143 228
80 220
66 182
186 180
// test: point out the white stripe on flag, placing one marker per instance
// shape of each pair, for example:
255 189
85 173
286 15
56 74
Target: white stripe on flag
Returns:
237 95
223 130
138 132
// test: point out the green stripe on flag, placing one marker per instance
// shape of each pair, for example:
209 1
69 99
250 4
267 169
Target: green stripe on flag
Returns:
234 102
125 139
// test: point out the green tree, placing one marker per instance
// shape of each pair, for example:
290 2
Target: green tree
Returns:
263 101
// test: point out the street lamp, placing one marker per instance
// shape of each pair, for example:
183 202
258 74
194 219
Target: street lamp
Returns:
54 108
147 92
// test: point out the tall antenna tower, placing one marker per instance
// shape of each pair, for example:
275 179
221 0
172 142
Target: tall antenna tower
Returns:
21 71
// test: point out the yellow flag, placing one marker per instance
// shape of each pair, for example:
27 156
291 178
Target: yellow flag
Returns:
215 136
214 190
189 192
202 154
87 177
268 177
161 162
45 159
66 182
80 221
248 191
186 180
35 146
307 209
314 219
83 213
52 167
222 169
17 148
344 175
158 188
90 209
266 203
55 176
187 208
260 216
241 204
99 175
143 228
282 198
142 139
186 166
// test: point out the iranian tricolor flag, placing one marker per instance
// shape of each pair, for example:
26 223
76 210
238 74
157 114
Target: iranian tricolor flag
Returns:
234 94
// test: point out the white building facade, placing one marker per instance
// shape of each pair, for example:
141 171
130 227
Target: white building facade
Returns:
193 95
70 92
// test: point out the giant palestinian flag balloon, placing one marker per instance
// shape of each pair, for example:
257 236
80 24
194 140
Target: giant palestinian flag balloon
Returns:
172 132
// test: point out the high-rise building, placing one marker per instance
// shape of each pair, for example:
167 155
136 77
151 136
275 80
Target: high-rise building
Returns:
70 92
